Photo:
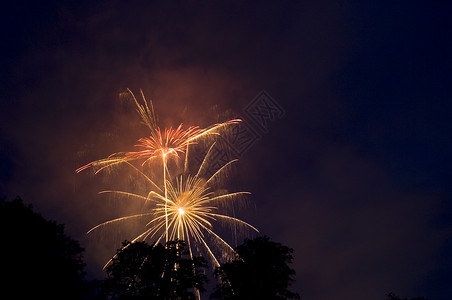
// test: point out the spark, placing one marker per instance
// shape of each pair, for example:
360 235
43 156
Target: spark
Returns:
183 207
166 144
191 208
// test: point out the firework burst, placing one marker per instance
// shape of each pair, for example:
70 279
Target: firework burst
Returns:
190 210
182 207
164 144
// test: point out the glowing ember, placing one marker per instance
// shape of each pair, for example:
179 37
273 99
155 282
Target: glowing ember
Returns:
186 206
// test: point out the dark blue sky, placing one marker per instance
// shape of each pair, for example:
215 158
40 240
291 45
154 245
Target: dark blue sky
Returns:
355 176
396 82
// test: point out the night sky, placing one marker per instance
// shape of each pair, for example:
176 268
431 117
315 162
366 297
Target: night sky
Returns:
353 173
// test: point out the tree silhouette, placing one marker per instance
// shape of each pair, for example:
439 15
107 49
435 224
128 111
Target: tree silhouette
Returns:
261 271
140 270
37 259
392 296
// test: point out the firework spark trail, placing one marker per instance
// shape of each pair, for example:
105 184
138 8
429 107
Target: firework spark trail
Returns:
169 143
184 207
189 210
166 143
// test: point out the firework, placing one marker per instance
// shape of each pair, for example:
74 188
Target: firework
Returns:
164 144
189 210
181 207
160 143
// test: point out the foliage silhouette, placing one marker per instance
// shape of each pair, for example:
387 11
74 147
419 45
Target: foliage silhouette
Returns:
140 270
38 260
392 296
261 271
